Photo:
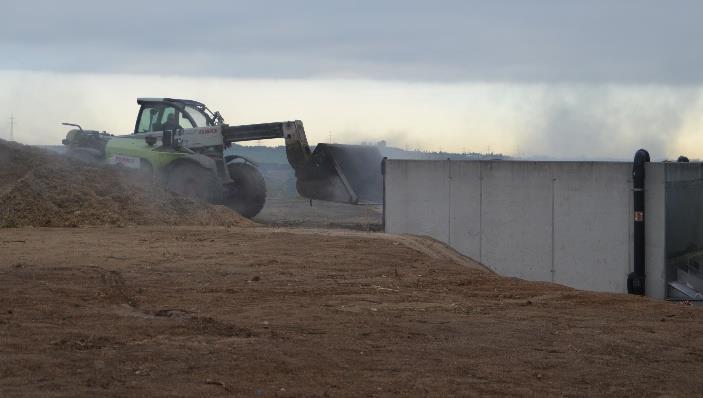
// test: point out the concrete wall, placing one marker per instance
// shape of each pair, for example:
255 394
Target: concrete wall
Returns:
655 230
564 222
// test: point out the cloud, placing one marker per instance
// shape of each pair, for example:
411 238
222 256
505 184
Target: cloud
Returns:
645 41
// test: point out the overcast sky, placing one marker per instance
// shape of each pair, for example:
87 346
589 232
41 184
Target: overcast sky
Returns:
520 76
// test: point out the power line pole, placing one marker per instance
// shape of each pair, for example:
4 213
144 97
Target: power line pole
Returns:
330 137
12 127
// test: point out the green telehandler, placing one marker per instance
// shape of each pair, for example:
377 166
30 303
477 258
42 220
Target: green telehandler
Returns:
183 143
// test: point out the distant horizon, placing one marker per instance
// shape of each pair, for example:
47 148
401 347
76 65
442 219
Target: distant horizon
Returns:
563 121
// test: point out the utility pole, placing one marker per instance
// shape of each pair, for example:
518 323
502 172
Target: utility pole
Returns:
12 127
330 137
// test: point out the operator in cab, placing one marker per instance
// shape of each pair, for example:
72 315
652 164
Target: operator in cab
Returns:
171 123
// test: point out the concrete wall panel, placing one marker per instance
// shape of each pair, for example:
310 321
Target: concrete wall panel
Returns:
655 230
417 198
592 213
516 210
465 218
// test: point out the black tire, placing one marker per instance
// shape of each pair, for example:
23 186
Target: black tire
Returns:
247 193
191 180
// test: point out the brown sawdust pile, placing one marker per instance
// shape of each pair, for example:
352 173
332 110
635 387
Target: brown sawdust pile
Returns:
42 189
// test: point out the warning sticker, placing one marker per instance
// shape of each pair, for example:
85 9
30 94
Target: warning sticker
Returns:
126 161
639 216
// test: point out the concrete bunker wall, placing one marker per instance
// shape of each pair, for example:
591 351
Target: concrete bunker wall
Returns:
564 222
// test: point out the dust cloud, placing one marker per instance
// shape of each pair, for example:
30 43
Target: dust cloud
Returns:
605 123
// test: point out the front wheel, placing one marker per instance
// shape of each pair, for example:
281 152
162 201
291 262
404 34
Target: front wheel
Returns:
191 180
247 193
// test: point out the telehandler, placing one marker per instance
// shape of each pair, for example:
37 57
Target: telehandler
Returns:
183 143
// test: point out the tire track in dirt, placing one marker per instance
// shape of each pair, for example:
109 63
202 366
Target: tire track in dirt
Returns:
116 289
117 292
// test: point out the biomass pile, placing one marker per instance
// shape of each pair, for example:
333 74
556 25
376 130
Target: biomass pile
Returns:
43 189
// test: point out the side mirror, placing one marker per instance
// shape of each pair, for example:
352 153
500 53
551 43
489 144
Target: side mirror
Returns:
167 138
172 139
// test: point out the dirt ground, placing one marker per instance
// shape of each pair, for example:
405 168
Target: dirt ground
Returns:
216 311
299 212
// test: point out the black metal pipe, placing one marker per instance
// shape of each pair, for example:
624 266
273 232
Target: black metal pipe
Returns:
636 279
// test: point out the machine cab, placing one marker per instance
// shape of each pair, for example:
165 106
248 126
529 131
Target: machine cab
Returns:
160 114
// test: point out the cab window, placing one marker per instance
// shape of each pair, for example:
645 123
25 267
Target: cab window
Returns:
197 116
166 114
183 121
158 117
147 118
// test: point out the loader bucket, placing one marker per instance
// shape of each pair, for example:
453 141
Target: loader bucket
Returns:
342 173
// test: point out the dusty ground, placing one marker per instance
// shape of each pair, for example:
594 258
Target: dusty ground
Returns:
208 311
299 212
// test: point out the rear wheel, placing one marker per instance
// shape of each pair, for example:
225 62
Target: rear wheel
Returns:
247 193
192 180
